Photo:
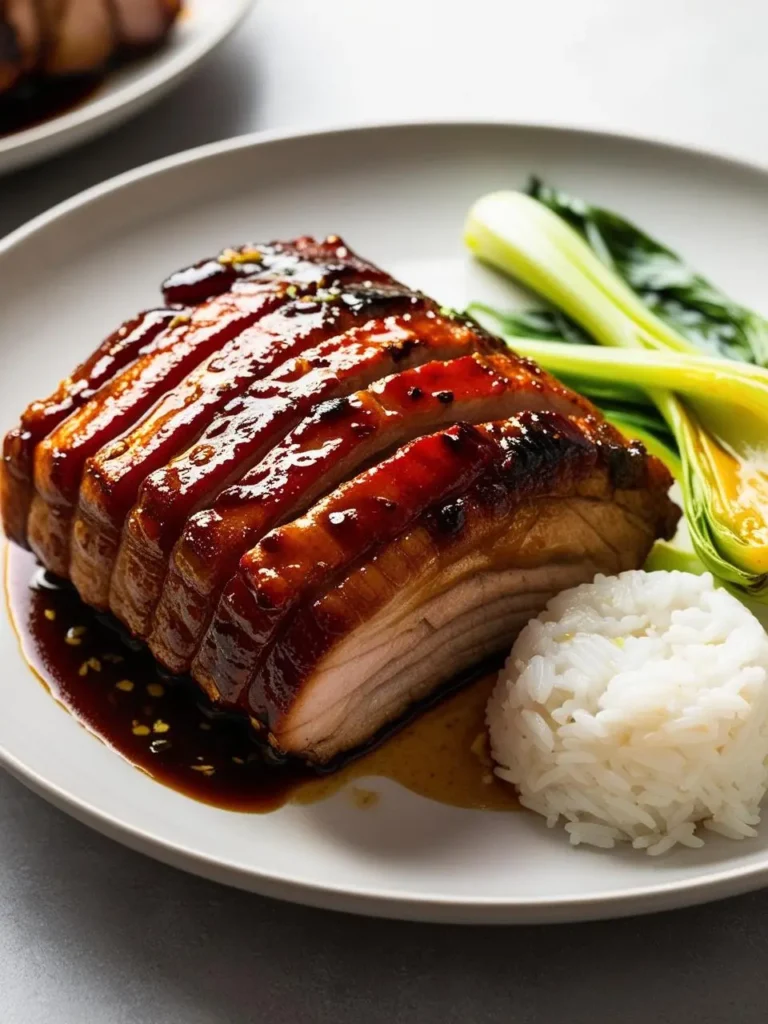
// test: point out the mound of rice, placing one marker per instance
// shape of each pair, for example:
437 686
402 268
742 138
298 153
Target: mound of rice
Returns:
636 708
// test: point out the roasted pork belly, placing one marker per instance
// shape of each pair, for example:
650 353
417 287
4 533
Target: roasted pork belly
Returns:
328 447
134 338
423 566
319 492
113 476
20 41
80 36
243 435
140 24
209 328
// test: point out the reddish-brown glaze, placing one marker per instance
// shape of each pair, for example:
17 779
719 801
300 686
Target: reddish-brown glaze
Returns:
303 257
113 476
116 406
124 688
59 460
272 626
326 449
456 586
240 437
377 504
128 342
549 457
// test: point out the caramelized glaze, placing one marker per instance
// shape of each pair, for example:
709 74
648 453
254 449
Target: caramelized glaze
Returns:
113 477
279 580
249 430
305 258
41 417
294 558
320 453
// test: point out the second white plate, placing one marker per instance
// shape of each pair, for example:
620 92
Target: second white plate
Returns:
399 195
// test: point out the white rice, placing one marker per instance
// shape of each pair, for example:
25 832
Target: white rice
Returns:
636 709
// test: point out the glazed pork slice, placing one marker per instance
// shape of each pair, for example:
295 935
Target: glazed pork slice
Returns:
304 262
328 447
253 424
335 624
142 24
133 338
305 258
113 476
79 36
60 458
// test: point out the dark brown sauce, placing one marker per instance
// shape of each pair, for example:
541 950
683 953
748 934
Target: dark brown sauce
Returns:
168 729
40 99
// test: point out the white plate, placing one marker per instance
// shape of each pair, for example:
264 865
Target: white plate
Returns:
125 92
399 195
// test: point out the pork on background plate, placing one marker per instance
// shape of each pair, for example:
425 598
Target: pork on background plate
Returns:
319 493
52 38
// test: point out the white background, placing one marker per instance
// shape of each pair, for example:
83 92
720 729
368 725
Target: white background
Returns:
92 933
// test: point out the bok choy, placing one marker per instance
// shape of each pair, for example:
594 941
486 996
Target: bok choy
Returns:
667 285
595 270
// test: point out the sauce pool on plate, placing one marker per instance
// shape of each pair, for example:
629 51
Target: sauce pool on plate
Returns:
36 102
167 728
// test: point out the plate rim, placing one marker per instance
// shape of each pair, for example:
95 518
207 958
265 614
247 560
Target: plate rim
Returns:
261 137
70 128
623 901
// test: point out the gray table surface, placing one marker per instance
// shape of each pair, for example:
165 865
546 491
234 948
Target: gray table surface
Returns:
90 932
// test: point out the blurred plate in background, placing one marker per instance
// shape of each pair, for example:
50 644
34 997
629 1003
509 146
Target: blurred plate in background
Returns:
128 90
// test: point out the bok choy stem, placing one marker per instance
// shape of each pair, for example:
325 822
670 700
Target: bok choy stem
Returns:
739 386
717 410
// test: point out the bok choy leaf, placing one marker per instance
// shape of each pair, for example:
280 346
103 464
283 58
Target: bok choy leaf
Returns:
667 285
716 410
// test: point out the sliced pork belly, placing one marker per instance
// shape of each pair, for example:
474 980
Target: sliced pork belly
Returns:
252 425
331 445
80 36
60 458
262 493
141 24
398 581
132 339
113 476
304 258
20 40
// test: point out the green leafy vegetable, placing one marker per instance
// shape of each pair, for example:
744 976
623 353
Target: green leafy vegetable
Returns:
666 284
716 410
547 324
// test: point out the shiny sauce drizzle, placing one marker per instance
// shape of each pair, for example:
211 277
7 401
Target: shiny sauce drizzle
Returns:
167 728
